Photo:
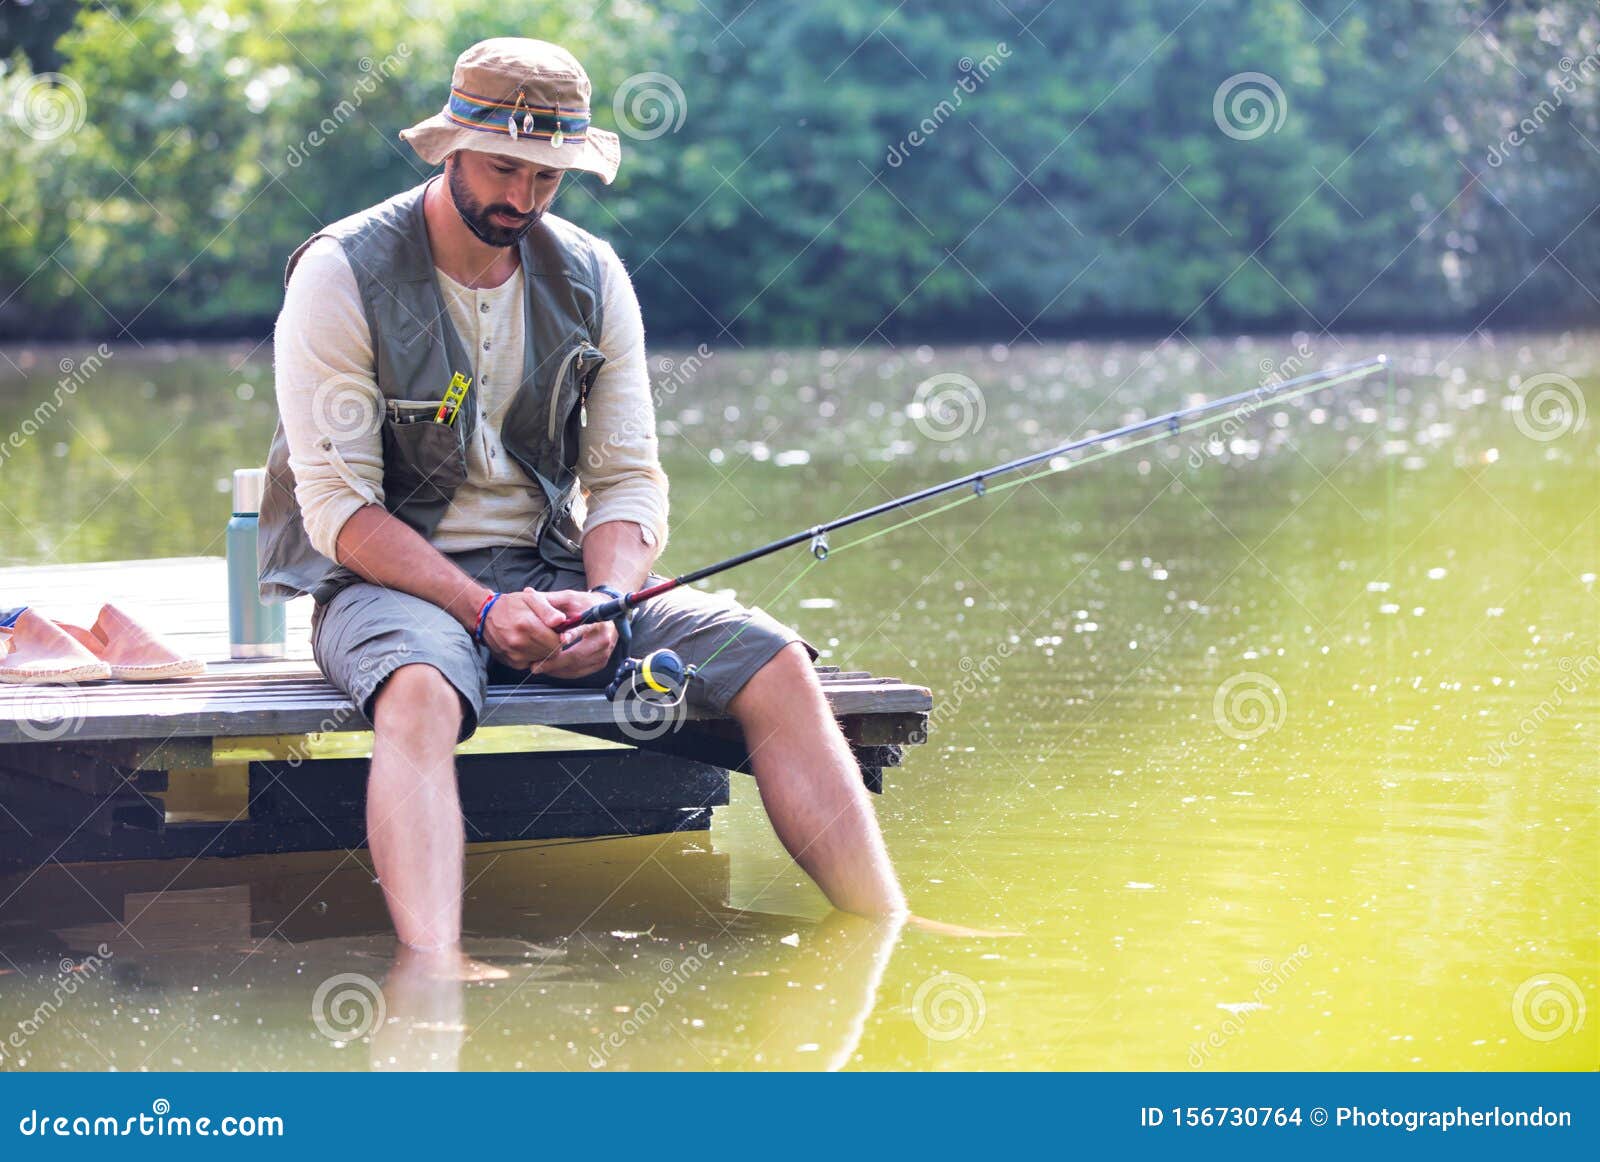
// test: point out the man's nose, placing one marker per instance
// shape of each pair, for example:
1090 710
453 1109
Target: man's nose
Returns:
521 196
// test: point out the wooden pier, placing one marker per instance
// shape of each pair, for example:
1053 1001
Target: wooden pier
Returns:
266 756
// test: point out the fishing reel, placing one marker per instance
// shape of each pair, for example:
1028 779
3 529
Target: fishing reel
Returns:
660 678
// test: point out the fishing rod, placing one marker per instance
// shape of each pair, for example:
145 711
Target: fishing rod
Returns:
1163 426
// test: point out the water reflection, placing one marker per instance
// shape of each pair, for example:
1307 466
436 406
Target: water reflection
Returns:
1330 682
288 962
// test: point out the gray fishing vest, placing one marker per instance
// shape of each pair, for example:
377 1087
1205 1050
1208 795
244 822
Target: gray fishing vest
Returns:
416 352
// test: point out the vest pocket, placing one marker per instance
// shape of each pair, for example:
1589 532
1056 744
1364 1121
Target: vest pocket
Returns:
576 374
422 460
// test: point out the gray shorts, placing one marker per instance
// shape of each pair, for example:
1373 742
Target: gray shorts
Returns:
365 632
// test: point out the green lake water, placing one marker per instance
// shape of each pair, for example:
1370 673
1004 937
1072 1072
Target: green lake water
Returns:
1278 751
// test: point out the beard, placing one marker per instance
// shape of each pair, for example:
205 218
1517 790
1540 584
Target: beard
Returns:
480 219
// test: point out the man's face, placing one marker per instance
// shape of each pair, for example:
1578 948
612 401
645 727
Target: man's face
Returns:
500 198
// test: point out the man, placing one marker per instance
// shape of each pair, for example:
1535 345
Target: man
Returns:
442 540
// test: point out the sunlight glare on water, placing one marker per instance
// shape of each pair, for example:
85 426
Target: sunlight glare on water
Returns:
1276 742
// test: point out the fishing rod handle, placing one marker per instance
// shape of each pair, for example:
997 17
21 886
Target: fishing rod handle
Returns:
610 610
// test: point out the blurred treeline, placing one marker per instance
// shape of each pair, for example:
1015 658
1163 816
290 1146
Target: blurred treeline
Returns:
1085 186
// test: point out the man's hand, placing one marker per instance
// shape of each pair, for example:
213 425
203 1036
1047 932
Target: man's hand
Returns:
519 631
591 644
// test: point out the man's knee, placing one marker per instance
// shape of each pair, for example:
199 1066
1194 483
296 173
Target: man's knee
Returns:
418 699
787 675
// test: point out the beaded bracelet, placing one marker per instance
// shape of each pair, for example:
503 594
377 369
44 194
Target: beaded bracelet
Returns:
483 616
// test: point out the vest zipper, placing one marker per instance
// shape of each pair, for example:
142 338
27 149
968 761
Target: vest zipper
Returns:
555 392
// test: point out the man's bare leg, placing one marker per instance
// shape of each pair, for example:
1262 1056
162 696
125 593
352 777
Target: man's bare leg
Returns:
811 786
414 826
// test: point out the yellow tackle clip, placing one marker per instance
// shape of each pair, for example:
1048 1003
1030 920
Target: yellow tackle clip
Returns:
450 406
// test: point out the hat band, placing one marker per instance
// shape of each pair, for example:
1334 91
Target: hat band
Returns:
516 119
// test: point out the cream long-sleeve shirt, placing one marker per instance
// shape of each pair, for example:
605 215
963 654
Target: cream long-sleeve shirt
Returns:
326 388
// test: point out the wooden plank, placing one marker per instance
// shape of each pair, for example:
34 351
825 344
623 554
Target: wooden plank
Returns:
175 712
146 755
581 781
100 732
720 743
46 807
227 840
100 768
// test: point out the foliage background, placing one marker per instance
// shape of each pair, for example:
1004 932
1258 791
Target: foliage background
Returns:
1085 187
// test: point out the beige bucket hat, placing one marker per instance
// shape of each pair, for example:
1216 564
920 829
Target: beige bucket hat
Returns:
526 98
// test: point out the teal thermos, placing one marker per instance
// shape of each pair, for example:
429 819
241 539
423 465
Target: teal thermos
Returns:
255 630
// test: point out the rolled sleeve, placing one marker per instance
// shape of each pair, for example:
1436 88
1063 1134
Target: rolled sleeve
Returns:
328 396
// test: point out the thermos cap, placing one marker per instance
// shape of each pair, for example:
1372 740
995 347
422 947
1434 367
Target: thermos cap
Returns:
248 485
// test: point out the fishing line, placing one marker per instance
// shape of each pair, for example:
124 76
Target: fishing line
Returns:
1161 427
